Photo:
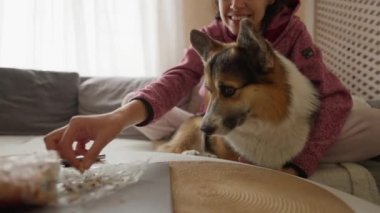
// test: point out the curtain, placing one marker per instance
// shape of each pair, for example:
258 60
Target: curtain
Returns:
93 37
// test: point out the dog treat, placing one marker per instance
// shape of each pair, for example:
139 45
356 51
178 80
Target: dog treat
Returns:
29 179
99 181
81 167
99 158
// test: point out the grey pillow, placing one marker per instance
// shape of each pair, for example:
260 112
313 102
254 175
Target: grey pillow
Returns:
374 103
104 94
36 102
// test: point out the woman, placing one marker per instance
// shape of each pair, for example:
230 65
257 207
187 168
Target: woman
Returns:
336 125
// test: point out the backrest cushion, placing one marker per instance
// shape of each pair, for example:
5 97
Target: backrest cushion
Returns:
36 102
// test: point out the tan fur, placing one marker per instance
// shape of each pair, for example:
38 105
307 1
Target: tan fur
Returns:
265 95
222 150
187 137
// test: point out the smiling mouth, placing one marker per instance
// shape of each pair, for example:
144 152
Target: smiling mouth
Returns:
237 17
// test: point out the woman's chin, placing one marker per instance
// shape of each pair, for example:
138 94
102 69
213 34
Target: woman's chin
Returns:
234 30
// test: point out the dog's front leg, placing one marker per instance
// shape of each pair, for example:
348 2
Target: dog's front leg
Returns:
187 137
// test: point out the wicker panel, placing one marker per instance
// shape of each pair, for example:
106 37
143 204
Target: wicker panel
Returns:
348 33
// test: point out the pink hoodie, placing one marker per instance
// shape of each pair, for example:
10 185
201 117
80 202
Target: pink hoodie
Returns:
289 36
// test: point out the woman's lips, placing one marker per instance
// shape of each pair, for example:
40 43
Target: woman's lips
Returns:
238 17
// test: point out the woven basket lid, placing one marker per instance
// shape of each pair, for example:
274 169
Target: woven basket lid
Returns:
226 187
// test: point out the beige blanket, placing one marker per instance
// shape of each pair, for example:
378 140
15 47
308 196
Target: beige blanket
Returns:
351 178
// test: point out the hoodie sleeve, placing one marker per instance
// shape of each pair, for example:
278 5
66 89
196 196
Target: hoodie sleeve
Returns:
336 102
164 93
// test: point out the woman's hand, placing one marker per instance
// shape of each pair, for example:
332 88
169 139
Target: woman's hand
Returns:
100 129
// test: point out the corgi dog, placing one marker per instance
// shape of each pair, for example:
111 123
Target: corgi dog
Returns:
260 105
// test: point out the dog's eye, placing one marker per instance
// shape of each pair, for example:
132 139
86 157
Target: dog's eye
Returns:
227 91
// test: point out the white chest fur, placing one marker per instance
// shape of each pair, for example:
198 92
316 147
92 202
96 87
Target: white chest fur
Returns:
272 145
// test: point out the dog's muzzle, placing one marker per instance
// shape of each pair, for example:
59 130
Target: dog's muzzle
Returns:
208 129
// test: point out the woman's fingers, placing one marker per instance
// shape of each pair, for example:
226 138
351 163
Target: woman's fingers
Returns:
65 146
61 140
70 141
92 153
53 138
80 147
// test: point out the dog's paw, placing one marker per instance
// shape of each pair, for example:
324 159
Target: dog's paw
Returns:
197 153
165 148
170 148
206 154
191 152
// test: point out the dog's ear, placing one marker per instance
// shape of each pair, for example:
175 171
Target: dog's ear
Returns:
203 44
249 38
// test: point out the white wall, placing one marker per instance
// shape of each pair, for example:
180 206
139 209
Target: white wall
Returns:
306 13
196 13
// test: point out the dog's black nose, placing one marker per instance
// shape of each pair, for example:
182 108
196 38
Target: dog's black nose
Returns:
208 130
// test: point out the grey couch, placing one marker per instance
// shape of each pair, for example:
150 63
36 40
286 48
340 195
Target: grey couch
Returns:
34 102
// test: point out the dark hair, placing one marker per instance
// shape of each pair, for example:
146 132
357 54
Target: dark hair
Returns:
270 12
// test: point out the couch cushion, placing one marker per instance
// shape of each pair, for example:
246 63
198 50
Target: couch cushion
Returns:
104 94
374 103
36 102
